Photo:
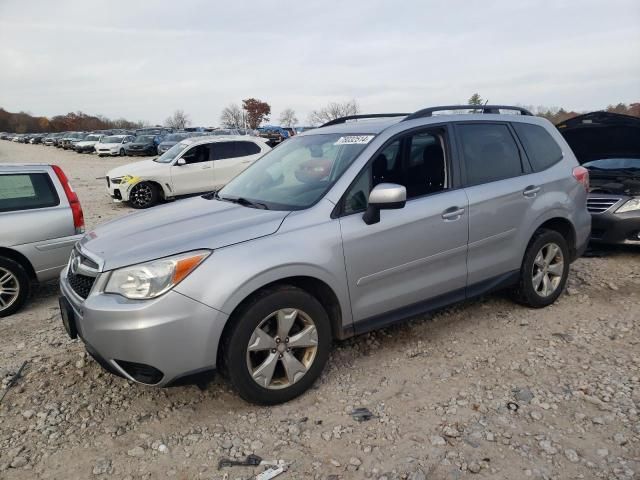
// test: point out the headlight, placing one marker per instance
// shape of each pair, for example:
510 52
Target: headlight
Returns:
116 180
629 205
152 279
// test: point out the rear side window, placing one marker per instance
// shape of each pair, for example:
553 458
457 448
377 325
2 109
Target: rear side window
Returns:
490 152
25 191
222 150
541 148
244 149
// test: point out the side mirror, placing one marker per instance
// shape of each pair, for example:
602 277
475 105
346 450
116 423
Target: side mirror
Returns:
384 196
181 161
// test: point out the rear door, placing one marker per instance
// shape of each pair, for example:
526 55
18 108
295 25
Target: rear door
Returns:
196 175
35 217
500 190
231 158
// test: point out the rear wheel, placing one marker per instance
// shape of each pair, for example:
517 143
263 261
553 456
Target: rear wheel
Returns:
14 286
143 195
277 346
544 270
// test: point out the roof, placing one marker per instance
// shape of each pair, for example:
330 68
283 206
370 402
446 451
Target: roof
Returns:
220 138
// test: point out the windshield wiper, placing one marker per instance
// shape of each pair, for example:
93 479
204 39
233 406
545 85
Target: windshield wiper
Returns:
245 202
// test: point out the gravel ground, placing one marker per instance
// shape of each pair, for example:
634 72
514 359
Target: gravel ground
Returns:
486 388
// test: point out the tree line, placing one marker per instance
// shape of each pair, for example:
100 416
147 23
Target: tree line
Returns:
251 113
23 122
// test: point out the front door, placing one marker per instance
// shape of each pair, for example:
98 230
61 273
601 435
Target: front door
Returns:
196 175
414 254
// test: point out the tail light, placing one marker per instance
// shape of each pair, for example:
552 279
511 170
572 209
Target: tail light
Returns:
581 174
72 197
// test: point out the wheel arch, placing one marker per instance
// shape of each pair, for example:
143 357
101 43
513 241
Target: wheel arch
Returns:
561 224
21 259
315 287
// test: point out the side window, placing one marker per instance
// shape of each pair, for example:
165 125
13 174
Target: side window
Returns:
244 149
26 191
197 154
490 152
541 148
417 161
222 150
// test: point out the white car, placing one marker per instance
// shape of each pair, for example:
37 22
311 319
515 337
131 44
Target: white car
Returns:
88 144
195 165
113 145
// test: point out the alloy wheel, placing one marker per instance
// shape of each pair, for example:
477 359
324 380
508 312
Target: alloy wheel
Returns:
9 288
282 348
141 195
548 268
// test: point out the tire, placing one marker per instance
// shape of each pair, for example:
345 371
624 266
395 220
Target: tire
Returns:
143 195
540 261
122 152
264 312
13 276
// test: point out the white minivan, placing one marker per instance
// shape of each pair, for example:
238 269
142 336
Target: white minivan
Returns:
195 165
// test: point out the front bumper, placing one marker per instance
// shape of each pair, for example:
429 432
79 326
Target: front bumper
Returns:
145 151
172 334
612 227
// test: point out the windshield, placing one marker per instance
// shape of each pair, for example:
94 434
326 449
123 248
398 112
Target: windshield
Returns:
92 138
112 140
614 164
169 155
175 137
144 139
296 174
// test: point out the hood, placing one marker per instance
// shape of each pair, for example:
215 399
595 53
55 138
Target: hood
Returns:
86 143
138 169
179 227
600 135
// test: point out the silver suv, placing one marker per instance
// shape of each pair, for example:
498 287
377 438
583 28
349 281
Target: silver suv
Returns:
338 231
40 221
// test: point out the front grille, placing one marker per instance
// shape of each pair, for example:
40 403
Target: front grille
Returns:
81 284
600 204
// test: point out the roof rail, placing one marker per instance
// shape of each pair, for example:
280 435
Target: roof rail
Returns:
427 112
336 121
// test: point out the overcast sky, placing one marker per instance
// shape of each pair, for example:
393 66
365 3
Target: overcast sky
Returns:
143 60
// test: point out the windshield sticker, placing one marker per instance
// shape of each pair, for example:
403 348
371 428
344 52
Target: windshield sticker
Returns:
354 140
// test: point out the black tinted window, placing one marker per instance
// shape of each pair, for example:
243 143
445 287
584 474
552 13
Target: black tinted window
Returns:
490 152
416 161
244 149
197 154
26 191
541 148
222 150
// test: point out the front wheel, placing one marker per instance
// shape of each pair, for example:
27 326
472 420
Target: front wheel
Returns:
143 195
122 152
277 345
14 286
544 270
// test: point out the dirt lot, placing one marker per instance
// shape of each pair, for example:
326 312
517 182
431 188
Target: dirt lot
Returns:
440 388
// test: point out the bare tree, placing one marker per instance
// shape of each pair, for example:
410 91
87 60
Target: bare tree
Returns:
233 116
178 120
288 117
332 111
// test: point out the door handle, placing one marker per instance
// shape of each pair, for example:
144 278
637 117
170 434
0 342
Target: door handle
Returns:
245 161
531 191
453 213
205 167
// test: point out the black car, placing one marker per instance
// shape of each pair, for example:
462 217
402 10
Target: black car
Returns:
608 145
143 145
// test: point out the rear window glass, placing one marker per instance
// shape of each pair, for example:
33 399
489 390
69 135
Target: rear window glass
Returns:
26 191
490 152
244 149
542 149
